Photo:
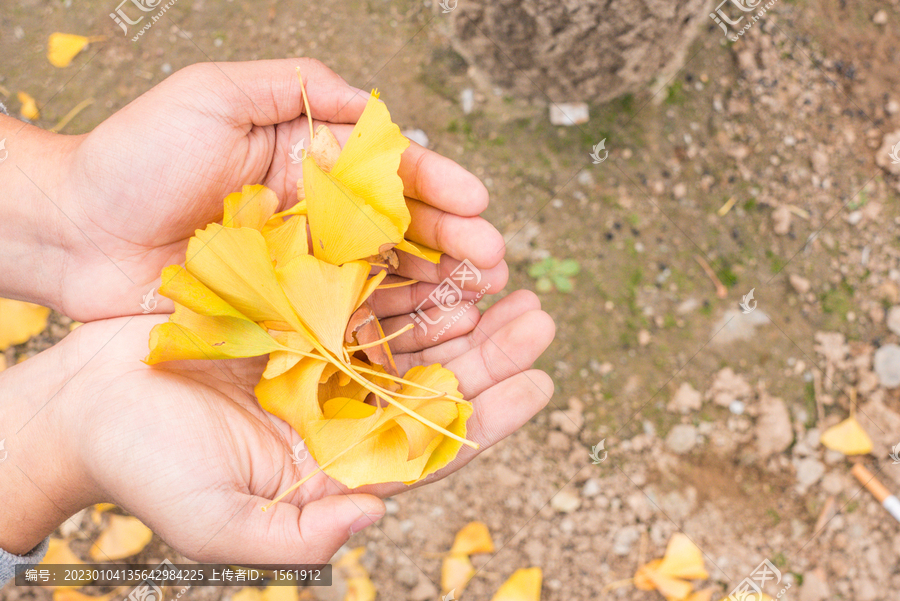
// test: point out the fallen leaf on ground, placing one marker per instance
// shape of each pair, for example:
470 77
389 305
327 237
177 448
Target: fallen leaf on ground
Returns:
124 536
19 321
456 571
58 552
847 437
523 585
62 47
29 108
473 538
359 585
682 562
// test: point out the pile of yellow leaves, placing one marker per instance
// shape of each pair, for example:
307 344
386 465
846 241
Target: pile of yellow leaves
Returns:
253 286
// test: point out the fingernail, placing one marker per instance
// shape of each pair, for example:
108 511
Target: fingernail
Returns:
365 520
359 92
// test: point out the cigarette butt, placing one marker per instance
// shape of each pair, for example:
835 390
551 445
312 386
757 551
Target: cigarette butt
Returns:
878 490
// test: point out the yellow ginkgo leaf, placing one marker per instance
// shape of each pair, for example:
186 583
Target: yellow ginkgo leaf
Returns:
234 263
473 538
682 562
325 295
369 161
103 507
359 444
19 321
59 553
456 571
847 437
359 585
420 250
523 585
189 335
29 108
704 596
62 48
287 240
343 226
292 396
252 207
355 202
123 537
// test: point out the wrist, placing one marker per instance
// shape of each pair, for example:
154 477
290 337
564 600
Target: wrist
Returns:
35 233
43 480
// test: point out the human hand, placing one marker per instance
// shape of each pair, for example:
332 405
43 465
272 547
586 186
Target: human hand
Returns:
185 447
130 193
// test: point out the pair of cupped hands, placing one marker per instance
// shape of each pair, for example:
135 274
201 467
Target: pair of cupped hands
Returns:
185 446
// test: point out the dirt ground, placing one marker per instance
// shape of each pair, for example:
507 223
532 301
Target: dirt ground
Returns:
711 417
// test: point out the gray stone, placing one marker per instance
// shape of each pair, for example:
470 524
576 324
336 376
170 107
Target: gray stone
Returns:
417 135
814 588
893 319
565 501
809 471
773 426
682 438
467 100
624 539
887 365
686 399
569 113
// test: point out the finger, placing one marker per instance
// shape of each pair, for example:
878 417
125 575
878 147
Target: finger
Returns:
441 182
513 349
494 278
406 299
286 534
435 327
470 238
268 92
497 316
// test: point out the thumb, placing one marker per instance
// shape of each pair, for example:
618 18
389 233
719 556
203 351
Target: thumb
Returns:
268 92
287 534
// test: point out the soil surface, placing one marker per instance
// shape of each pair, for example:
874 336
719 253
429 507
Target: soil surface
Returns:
761 161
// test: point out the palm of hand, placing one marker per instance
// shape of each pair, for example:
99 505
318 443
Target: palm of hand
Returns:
140 203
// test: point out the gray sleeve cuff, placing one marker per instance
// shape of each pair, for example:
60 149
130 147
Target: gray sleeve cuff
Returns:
8 561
